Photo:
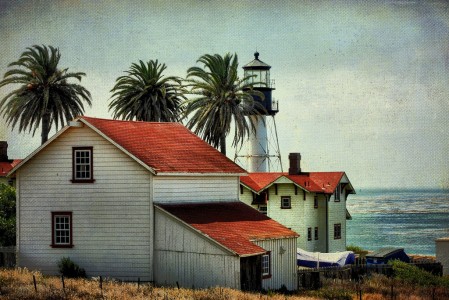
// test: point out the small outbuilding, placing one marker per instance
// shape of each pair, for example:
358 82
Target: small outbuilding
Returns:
442 253
384 255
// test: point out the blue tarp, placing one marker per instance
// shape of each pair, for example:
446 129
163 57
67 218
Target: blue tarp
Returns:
320 260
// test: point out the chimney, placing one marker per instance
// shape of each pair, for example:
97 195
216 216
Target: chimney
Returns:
295 164
3 151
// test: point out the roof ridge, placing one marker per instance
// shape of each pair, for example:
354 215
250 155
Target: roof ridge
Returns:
133 121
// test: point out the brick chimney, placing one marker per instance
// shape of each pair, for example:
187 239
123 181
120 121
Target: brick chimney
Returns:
295 164
3 151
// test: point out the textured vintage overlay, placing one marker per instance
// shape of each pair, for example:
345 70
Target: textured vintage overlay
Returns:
363 86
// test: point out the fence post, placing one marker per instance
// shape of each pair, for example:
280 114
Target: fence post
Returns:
34 281
63 283
101 286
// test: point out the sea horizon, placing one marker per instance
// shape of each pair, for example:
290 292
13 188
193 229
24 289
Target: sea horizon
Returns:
409 218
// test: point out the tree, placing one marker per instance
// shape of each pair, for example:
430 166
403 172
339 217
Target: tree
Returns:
222 99
146 95
44 94
7 215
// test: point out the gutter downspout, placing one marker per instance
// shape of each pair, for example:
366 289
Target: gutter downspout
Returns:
327 223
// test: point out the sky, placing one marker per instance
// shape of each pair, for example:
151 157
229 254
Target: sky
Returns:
363 86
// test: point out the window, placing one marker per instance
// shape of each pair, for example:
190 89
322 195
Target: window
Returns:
61 224
337 193
263 209
82 169
266 265
315 202
309 233
285 202
337 231
316 233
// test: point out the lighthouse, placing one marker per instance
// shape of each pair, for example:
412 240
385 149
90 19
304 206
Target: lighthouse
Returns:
262 153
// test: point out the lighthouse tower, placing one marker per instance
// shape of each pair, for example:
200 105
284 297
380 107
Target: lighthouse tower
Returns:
262 154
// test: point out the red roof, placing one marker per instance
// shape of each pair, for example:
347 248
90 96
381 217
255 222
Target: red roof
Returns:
232 224
6 166
317 182
165 147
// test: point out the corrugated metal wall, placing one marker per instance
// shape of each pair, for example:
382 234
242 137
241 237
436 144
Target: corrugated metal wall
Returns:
185 257
283 263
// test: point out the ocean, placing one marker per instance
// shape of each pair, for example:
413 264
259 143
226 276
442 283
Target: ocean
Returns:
409 219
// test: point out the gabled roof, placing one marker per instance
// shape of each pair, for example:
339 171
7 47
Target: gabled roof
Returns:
161 147
315 182
234 225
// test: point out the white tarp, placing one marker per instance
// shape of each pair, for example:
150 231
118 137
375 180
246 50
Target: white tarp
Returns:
319 259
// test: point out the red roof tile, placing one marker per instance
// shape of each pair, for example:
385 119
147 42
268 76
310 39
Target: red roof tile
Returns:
317 182
6 166
165 147
234 224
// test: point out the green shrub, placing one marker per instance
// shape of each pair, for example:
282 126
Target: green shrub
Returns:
414 275
70 269
356 250
7 215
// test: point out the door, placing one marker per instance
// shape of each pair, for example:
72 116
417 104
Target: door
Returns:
251 273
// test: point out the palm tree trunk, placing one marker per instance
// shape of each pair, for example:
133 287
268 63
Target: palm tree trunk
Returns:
45 127
223 144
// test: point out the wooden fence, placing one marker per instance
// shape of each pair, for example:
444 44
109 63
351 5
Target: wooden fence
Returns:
7 257
311 278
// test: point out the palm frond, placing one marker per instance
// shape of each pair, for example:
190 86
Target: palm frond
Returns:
43 89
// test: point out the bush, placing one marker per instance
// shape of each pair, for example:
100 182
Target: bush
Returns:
414 275
70 269
357 250
7 215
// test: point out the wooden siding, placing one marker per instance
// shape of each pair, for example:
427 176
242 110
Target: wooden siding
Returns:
184 256
178 189
111 217
283 263
302 215
337 215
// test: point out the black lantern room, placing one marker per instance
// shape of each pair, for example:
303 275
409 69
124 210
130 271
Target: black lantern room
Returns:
261 81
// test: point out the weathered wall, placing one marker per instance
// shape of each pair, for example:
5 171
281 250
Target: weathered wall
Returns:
111 217
179 189
186 257
283 263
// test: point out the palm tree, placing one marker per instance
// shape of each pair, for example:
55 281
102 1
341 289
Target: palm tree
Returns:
222 98
45 94
146 95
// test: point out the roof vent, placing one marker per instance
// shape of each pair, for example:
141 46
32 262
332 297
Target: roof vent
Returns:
75 124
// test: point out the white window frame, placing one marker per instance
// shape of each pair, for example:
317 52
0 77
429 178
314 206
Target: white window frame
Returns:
289 202
62 230
266 265
82 165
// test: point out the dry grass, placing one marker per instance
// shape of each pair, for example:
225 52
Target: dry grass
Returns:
18 284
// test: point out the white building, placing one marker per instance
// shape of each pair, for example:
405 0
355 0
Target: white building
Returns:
112 196
312 204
